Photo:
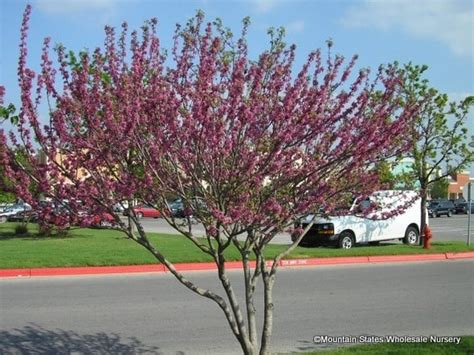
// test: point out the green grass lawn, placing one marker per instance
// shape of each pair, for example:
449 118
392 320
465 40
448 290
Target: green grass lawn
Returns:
94 247
466 346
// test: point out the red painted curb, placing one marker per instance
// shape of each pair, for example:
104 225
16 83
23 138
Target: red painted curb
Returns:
211 266
194 266
237 264
325 261
466 255
98 270
412 257
295 262
15 272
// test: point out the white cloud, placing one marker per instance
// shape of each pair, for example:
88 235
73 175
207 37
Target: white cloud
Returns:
71 7
295 27
450 22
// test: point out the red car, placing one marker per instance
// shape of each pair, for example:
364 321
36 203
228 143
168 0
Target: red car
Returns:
146 211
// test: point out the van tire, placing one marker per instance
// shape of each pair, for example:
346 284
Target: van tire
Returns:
449 214
411 236
346 240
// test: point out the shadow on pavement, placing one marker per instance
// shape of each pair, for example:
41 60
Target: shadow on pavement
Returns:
34 339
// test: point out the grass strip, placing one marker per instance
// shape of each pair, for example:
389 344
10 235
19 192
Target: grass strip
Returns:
95 247
466 346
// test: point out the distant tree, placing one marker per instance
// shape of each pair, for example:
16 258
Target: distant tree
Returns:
387 177
7 185
439 189
396 174
247 145
6 196
6 113
442 148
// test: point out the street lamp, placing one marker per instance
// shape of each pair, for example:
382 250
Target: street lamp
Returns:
469 200
469 206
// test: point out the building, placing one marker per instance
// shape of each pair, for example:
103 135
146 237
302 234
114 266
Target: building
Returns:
455 188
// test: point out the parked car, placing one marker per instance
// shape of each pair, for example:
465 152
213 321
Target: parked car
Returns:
4 206
178 209
441 207
463 208
13 210
144 211
120 206
358 226
24 216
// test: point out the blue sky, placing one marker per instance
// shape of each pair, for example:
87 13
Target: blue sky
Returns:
438 33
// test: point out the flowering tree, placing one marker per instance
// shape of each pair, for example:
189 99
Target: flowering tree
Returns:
249 146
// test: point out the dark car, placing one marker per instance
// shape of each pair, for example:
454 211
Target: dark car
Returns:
178 209
439 208
318 235
464 208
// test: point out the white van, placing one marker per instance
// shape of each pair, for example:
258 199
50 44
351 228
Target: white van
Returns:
367 222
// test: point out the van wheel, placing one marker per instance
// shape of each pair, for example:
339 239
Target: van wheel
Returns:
346 240
450 213
411 236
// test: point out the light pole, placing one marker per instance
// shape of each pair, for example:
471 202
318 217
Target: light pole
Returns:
469 199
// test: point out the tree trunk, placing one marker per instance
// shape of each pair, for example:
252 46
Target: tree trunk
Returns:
268 314
242 335
251 312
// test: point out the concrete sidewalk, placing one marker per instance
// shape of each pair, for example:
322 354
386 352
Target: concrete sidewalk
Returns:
104 270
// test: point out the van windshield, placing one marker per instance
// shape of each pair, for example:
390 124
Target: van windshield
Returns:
364 205
176 204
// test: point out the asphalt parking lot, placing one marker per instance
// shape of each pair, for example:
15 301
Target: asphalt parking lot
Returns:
443 228
451 228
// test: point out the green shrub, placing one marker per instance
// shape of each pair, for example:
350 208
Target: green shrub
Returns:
21 229
62 231
49 230
44 229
